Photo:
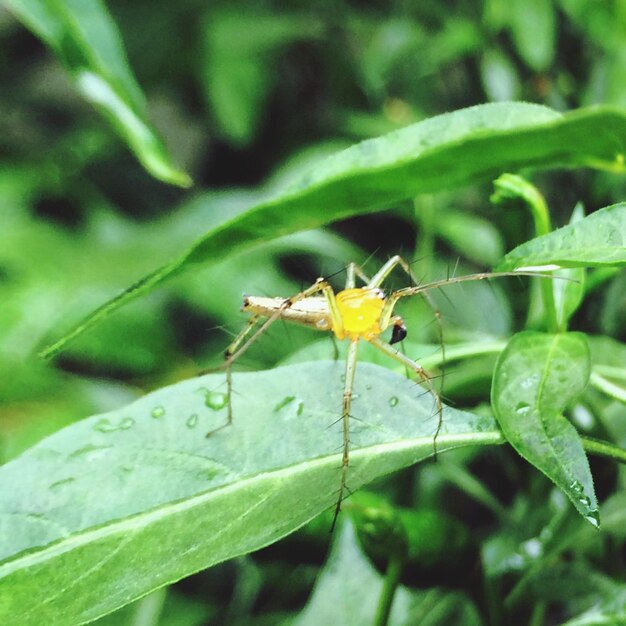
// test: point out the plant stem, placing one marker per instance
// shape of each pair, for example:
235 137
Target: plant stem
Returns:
388 592
604 448
511 186
607 387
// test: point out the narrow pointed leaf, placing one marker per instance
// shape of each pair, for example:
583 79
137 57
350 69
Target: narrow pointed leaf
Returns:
86 41
117 505
536 377
442 152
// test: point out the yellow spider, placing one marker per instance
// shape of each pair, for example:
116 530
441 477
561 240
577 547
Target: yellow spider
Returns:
353 314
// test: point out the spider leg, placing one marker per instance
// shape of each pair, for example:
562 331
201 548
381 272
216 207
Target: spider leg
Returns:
421 373
355 270
351 361
244 340
227 365
386 269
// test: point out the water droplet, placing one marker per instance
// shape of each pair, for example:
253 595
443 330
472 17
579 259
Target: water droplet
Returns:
158 411
283 403
522 408
368 387
89 449
208 474
192 421
215 400
393 401
105 425
577 487
593 517
61 483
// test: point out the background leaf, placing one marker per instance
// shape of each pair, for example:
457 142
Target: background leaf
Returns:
72 531
348 589
480 141
594 241
86 41
537 376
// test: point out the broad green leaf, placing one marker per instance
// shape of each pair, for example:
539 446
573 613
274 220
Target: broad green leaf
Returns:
348 590
439 153
537 376
569 293
594 241
86 41
117 505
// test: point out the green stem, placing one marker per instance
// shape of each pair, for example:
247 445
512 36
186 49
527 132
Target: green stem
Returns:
607 387
538 614
604 448
425 246
388 592
510 186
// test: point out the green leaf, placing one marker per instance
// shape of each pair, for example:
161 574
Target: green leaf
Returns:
117 505
610 610
594 241
86 41
439 153
499 76
348 590
533 26
537 376
569 293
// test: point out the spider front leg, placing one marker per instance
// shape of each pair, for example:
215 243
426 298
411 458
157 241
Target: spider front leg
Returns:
421 373
351 361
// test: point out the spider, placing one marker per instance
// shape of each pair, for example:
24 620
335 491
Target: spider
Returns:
352 314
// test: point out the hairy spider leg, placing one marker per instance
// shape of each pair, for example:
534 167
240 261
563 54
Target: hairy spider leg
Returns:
242 342
383 320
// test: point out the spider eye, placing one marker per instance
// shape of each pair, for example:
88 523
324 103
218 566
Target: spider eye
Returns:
398 333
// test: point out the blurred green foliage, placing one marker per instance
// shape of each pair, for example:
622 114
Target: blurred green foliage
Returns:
246 95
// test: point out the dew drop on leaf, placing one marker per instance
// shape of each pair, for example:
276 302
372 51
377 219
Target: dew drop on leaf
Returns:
593 517
126 423
522 408
192 421
215 400
576 486
61 483
158 411
283 403
105 425
393 401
